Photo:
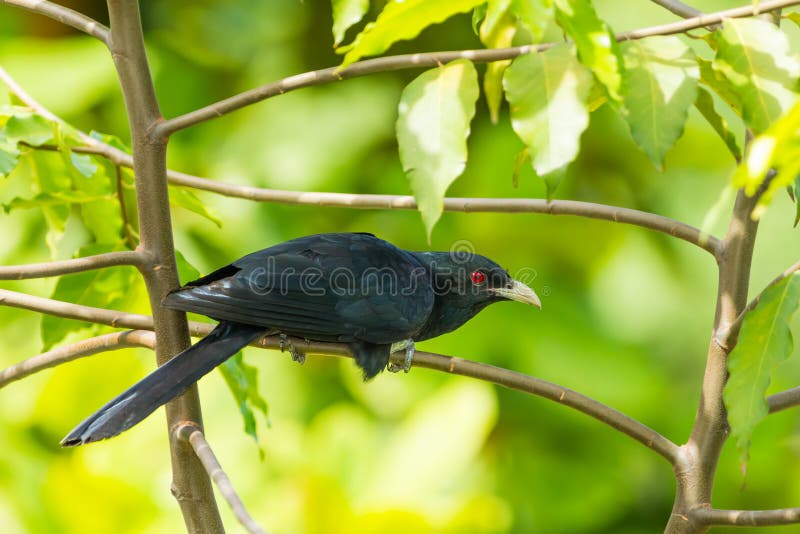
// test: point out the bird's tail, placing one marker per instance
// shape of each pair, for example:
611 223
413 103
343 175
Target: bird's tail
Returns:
163 384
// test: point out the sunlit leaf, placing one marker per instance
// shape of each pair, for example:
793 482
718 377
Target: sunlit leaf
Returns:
242 379
547 94
764 342
345 14
659 87
29 128
755 57
720 85
597 48
179 196
9 157
83 163
533 15
432 128
401 20
705 105
497 31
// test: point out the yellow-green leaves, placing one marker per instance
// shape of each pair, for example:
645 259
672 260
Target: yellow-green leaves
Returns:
242 380
432 129
345 14
497 31
659 87
547 93
597 48
400 20
764 342
754 57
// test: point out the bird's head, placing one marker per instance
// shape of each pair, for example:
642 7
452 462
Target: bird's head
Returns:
464 284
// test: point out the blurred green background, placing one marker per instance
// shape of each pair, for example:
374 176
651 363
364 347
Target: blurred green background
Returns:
626 319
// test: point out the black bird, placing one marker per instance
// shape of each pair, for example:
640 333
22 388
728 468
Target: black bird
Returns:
348 287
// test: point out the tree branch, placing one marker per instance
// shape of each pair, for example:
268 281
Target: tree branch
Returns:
190 483
448 364
679 8
431 59
194 436
741 518
76 265
64 15
81 349
784 399
727 338
402 202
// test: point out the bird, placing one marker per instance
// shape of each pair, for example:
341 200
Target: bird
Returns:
351 288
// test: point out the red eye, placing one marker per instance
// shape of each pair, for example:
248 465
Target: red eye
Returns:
477 277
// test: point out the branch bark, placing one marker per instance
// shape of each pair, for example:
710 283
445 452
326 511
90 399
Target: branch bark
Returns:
679 8
439 362
695 475
742 518
77 265
190 483
81 349
194 436
64 15
432 59
784 400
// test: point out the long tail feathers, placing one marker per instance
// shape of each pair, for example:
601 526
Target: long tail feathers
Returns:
163 384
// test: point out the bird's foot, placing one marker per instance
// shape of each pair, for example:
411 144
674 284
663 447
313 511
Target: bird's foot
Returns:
297 356
408 346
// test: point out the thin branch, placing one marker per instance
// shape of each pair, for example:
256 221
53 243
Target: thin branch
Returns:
430 59
679 8
194 436
468 205
401 202
727 338
542 388
76 265
449 364
81 349
64 15
746 518
784 400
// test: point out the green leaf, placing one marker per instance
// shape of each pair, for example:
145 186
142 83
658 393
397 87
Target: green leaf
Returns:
9 157
659 87
242 379
401 20
764 342
83 163
755 57
533 15
547 94
720 85
432 129
705 105
522 157
29 128
186 271
178 196
497 31
797 200
597 48
794 17
345 14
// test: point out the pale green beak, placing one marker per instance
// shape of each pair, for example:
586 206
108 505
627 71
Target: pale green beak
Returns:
519 292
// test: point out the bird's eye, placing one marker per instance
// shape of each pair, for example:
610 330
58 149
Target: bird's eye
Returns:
477 277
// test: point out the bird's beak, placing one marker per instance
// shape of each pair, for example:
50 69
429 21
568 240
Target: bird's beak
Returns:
519 292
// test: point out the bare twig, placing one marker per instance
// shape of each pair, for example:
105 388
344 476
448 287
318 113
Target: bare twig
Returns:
439 362
743 518
727 338
542 388
431 59
76 265
64 15
679 8
193 435
784 400
81 349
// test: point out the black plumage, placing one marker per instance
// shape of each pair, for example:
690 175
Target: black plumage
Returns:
348 287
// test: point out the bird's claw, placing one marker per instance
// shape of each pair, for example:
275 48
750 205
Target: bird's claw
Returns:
408 345
297 356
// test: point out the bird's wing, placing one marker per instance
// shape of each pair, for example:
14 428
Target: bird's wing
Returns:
328 287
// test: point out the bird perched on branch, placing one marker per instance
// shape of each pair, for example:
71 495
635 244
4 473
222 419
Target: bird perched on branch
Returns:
351 288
